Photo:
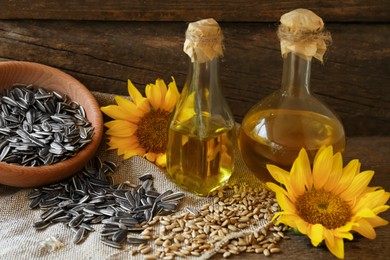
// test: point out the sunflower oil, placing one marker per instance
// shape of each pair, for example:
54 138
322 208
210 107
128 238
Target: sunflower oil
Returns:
276 136
290 119
201 132
200 164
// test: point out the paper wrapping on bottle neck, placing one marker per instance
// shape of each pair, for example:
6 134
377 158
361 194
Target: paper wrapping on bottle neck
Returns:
302 31
203 40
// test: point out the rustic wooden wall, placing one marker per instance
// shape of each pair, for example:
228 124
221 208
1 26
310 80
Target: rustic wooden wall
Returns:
103 43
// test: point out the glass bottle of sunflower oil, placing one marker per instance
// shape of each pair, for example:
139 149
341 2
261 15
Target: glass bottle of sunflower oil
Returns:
202 133
279 126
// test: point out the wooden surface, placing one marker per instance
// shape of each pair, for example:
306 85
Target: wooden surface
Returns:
104 43
354 81
373 153
189 10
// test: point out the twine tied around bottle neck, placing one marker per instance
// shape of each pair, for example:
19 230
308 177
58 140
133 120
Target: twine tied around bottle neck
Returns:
302 31
203 40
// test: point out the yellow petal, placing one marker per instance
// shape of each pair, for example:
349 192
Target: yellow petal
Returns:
278 173
328 236
322 167
284 178
288 219
335 173
358 185
346 228
171 97
282 197
365 213
347 176
123 144
276 188
120 128
302 226
131 108
134 152
377 221
300 175
346 235
380 209
337 247
371 200
316 234
115 112
161 160
150 157
144 106
134 93
154 95
160 84
186 107
364 228
322 148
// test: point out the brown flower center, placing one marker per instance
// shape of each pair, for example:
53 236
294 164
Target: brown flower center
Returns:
323 207
152 131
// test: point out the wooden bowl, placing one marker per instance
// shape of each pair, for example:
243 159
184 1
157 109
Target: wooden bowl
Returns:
53 80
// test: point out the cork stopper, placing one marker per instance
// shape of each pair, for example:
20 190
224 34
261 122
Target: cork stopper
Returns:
203 40
302 31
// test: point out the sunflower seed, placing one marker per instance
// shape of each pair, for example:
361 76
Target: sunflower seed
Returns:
191 210
111 243
110 165
62 219
32 116
79 236
41 224
173 197
9 101
89 198
97 220
119 194
152 193
76 221
119 236
107 212
51 195
167 206
136 241
48 204
55 214
87 227
146 177
4 153
92 210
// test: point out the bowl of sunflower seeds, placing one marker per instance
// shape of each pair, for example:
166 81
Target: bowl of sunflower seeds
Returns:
50 124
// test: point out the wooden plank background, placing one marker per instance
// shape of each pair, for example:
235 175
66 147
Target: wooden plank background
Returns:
190 10
102 44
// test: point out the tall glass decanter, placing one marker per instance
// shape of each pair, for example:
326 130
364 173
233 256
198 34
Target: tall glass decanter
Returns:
201 134
279 126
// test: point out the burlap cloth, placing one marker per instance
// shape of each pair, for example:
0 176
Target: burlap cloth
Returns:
19 239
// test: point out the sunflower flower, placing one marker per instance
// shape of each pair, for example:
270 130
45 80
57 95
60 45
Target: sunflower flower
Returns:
328 202
140 124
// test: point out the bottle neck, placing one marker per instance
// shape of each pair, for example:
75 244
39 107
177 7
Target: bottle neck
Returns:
296 75
203 75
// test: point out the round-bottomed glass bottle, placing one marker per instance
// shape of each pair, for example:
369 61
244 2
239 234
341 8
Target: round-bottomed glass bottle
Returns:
279 126
202 133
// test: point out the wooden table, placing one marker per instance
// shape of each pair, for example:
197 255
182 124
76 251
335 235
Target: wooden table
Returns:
104 43
373 153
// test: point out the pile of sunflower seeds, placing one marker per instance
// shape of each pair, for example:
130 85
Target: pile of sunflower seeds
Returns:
39 127
90 197
218 227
